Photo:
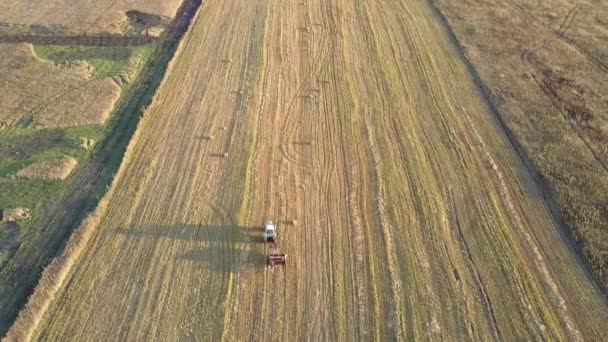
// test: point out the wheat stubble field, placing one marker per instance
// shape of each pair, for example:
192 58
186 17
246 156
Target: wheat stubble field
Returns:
416 218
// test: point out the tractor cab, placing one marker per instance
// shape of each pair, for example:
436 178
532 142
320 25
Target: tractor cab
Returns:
270 232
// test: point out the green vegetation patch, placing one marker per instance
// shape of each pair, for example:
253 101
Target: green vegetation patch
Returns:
22 193
19 144
106 61
21 147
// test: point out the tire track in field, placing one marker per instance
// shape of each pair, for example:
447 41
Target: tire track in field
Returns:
539 258
403 230
293 122
541 79
303 96
454 224
397 323
502 248
561 35
568 20
362 257
420 256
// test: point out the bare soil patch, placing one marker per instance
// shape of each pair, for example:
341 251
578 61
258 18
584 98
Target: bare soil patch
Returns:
143 20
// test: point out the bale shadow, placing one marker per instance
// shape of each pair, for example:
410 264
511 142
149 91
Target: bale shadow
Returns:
217 155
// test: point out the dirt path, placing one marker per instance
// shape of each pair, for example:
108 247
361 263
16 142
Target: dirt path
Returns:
416 219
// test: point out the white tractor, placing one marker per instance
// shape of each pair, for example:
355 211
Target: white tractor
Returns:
270 235
270 232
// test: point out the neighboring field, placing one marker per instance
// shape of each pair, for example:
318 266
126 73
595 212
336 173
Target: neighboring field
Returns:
545 67
39 151
91 16
416 218
52 111
68 106
44 95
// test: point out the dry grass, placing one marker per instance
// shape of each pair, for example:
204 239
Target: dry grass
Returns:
545 68
80 16
15 214
38 93
49 169
416 217
54 274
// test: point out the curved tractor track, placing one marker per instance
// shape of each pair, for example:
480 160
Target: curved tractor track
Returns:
416 219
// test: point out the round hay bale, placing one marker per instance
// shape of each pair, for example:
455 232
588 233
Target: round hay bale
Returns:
86 143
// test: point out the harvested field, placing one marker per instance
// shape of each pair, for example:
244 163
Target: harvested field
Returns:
49 170
545 68
90 16
416 217
37 93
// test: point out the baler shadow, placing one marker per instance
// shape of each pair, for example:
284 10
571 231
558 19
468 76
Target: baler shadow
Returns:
222 249
193 232
223 259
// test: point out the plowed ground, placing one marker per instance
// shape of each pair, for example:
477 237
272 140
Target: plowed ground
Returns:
416 218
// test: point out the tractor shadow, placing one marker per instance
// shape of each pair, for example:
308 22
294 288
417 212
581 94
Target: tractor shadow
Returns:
220 249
